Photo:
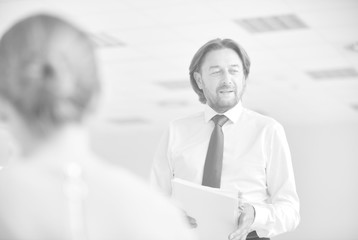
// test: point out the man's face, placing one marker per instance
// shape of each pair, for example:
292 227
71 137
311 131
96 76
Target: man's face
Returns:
221 79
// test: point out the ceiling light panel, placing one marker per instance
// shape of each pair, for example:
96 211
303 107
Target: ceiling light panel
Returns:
355 106
174 85
128 121
272 23
173 103
334 73
353 47
103 40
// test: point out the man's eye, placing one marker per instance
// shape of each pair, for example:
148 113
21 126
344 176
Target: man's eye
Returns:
216 72
234 71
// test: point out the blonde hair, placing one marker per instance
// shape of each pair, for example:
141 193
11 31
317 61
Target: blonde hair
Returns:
47 72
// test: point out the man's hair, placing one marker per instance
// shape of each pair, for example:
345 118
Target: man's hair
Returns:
215 44
47 72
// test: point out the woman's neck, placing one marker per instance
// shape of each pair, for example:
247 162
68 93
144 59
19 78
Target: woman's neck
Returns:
71 139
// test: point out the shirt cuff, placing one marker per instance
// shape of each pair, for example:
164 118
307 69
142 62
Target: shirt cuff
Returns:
261 218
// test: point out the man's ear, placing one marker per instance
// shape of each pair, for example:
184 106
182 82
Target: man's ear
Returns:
6 111
244 83
198 79
3 111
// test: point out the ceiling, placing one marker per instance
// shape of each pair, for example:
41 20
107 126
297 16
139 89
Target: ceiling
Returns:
304 67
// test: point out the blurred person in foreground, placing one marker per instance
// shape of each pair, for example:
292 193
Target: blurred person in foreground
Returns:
230 147
55 188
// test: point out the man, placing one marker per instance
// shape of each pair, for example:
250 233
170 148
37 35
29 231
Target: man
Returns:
55 187
253 160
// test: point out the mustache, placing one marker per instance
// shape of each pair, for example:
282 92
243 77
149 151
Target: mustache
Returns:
226 88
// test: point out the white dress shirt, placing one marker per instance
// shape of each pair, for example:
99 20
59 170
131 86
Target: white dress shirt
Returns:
256 162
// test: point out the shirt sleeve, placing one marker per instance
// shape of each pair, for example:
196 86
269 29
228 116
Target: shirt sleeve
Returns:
161 172
282 213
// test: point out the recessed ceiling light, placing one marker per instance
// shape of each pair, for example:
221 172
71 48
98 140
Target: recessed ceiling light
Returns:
353 47
175 84
172 103
128 121
355 106
334 73
272 23
103 40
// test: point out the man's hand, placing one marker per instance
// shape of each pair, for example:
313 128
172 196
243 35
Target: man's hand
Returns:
191 220
245 221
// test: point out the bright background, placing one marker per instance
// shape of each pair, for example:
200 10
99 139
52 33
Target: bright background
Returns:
304 74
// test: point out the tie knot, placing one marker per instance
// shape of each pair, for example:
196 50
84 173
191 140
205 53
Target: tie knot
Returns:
220 120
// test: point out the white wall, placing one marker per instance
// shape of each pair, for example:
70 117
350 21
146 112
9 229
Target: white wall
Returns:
325 159
130 146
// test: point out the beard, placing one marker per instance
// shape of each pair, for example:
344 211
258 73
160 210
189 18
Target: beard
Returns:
224 100
225 97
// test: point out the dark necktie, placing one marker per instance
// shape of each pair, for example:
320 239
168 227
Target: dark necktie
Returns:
214 156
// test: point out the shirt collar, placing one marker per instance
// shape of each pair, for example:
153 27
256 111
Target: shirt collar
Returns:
233 114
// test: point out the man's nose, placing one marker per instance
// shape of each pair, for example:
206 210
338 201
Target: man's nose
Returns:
226 78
